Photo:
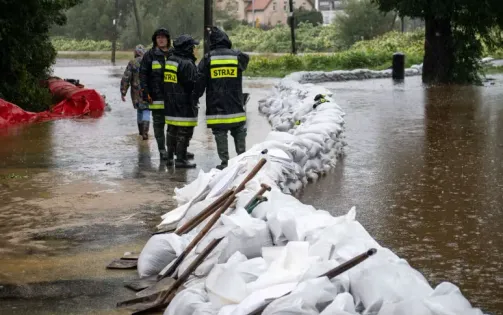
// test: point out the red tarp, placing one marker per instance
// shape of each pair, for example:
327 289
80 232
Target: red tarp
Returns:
74 101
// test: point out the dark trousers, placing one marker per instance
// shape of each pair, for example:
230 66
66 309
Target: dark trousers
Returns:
158 124
239 135
178 139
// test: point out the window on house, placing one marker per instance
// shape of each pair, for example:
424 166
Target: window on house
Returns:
274 6
285 6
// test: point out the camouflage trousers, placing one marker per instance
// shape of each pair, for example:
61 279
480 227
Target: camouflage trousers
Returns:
158 124
239 135
178 139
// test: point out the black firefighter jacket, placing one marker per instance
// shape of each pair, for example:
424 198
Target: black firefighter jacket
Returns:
152 76
221 74
181 93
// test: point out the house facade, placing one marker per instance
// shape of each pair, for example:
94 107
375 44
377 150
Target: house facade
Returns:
267 12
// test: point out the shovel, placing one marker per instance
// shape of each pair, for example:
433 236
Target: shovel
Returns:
329 274
161 299
214 219
195 241
143 283
263 189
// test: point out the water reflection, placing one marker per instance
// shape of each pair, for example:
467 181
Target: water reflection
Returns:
424 168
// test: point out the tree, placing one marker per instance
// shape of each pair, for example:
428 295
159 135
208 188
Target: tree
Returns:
454 32
362 20
26 53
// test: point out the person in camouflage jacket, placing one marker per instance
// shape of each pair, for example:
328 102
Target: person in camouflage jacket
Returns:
131 79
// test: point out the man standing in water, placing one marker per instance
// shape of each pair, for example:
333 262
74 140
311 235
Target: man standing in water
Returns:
181 96
221 72
131 79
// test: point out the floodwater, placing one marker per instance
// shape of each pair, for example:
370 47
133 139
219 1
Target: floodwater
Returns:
424 169
422 166
77 193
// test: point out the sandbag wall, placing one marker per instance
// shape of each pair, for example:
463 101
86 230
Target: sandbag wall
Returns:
284 244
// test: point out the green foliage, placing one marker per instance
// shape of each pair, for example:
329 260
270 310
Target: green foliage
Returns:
304 16
362 20
471 22
309 38
26 53
411 43
374 54
64 44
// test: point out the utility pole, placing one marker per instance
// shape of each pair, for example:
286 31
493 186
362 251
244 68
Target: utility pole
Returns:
116 33
292 28
208 22
253 14
137 18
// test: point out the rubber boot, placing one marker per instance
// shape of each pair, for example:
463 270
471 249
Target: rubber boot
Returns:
145 126
190 155
171 144
222 165
140 130
163 155
181 156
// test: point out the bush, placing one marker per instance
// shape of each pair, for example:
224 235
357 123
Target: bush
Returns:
311 17
65 44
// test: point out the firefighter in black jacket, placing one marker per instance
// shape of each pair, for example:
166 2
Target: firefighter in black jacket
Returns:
151 83
181 96
221 74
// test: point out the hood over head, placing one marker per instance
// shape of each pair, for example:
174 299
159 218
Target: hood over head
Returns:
161 31
184 45
218 39
139 51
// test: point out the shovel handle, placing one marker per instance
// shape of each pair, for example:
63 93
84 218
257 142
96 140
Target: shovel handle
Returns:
252 174
192 267
195 221
349 264
214 219
263 189
330 274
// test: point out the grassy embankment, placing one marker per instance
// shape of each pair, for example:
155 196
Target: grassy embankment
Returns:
373 54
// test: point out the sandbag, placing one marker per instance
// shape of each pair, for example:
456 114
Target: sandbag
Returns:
227 283
343 304
241 233
194 210
390 282
159 251
304 299
446 299
188 300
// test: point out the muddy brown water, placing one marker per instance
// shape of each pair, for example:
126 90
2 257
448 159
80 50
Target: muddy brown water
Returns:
422 166
424 169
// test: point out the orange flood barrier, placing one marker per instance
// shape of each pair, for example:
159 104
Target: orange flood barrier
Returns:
71 101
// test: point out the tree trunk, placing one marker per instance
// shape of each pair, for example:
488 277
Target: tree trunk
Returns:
438 51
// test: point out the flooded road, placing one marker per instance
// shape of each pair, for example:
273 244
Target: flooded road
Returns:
424 168
78 193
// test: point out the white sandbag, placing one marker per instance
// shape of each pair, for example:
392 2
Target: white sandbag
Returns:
343 304
159 251
446 299
287 265
227 283
284 137
194 210
187 301
241 233
221 182
257 299
196 187
304 299
390 282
